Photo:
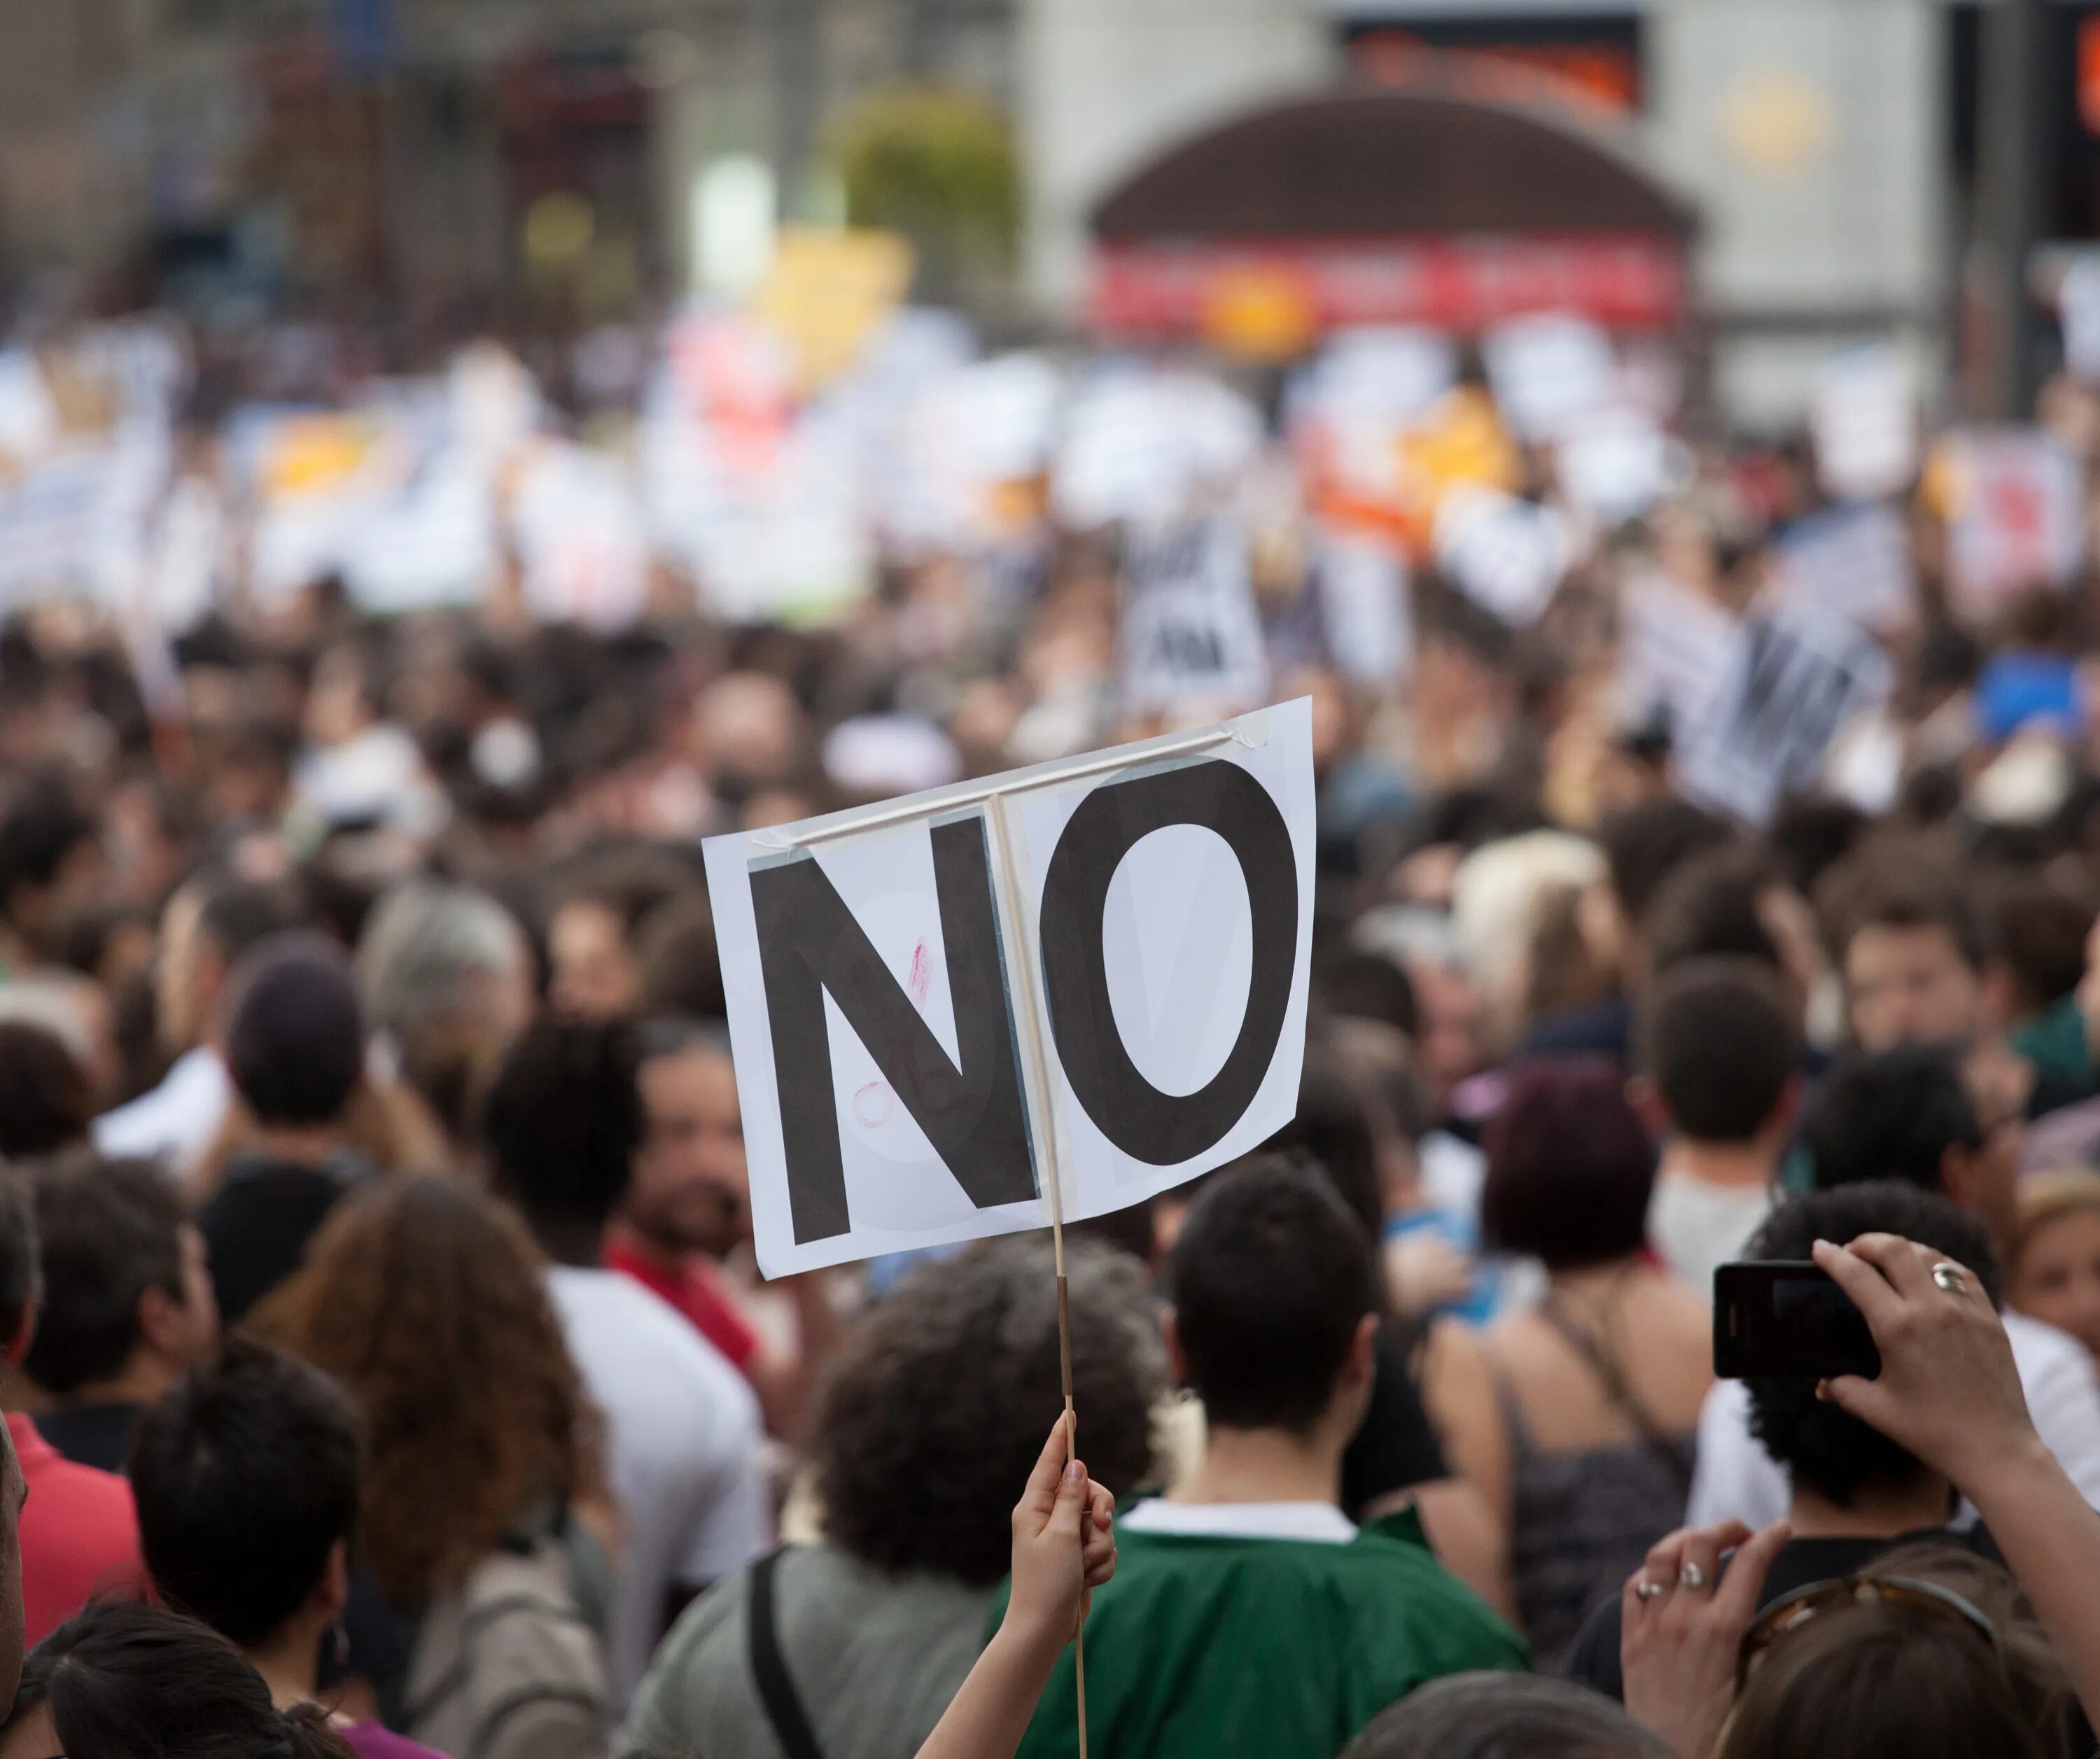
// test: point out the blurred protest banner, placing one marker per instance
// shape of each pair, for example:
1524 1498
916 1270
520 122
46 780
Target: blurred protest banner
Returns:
1863 422
1674 646
1190 631
1048 994
1366 611
828 290
2013 502
1798 671
1853 559
1506 554
1549 370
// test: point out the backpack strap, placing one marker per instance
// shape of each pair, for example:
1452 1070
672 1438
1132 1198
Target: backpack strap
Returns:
769 1668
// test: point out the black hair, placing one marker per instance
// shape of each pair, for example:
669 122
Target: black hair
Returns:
18 1252
563 1118
1720 1044
295 1031
1893 1115
246 1473
236 913
37 836
107 1231
1644 845
1708 909
1911 884
1824 1449
938 1402
1497 1715
1332 1130
681 966
1270 1276
1570 1169
1361 985
127 1681
46 1103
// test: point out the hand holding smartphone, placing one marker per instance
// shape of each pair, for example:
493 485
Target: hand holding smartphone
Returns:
1786 1318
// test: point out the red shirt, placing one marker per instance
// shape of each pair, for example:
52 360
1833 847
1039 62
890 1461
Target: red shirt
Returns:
80 1534
695 1288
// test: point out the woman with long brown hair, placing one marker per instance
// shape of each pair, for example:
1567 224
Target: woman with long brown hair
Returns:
424 1298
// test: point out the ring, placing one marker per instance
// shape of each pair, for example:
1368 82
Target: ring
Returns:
1649 1590
1691 1577
1950 1278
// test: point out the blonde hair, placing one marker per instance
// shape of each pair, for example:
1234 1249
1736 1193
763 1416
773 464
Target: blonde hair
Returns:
2047 1197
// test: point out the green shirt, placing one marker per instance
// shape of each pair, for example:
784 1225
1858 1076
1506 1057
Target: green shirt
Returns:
1205 1646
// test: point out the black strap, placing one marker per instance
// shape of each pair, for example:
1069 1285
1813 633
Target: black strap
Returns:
1598 1355
769 1668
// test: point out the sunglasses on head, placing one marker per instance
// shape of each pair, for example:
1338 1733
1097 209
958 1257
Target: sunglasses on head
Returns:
1804 1606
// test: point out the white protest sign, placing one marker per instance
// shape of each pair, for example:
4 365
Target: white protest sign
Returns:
1674 646
1365 609
1506 555
2078 305
2017 521
1549 370
1799 672
1093 971
1863 421
1613 463
1852 559
1190 631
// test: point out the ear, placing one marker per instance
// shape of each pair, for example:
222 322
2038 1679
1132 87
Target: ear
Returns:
332 1592
1957 1167
1646 1099
160 1323
16 1348
1169 1334
1786 1108
1362 1366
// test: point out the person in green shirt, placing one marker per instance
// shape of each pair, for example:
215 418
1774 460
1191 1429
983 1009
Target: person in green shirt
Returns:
1248 1614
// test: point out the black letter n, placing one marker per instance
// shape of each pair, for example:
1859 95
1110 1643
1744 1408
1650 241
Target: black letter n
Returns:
809 943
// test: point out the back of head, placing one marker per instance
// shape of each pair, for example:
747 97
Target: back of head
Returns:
1893 1115
245 1474
19 1253
1905 1671
424 1298
1504 1716
1645 843
937 1405
295 1031
107 1231
124 1680
1362 985
1570 1168
1721 1044
563 1119
1710 908
1332 1128
680 965
234 914
430 950
46 1101
1824 1449
1270 1277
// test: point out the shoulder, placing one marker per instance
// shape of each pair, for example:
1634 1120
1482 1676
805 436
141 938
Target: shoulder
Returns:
632 1347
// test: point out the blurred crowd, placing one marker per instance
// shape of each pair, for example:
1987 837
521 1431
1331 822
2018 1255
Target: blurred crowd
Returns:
1709 867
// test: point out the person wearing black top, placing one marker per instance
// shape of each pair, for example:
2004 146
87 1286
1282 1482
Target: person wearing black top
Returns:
126 1305
295 1043
1856 1493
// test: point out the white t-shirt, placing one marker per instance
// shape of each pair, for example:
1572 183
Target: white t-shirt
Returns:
1736 1480
1696 1225
176 1121
1321 1522
681 1435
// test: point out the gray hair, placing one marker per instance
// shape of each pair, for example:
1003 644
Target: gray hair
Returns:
426 941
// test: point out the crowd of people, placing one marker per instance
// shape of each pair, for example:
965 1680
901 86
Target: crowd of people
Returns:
387 1367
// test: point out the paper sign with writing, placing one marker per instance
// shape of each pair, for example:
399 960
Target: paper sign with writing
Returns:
1191 632
1140 918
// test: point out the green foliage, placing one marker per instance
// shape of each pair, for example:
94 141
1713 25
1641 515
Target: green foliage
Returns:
939 166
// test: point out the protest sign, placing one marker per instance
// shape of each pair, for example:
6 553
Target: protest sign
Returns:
1190 631
2078 305
1799 672
1054 993
1364 606
1549 370
1675 646
1853 559
1863 422
2015 516
1506 554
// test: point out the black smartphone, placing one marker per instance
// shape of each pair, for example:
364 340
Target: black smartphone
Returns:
1787 1318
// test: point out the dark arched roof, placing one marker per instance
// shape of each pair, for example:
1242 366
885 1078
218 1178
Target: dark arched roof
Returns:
1376 162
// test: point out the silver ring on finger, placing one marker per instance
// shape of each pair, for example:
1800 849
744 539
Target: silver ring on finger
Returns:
1691 1577
1645 1590
1949 1277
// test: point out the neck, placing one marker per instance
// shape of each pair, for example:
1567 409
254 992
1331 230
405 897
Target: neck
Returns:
289 1660
570 1240
1876 1511
143 1379
1741 1165
1265 1465
666 1255
302 1144
1594 1282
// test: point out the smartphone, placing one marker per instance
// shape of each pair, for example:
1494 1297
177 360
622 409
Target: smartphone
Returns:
1787 1318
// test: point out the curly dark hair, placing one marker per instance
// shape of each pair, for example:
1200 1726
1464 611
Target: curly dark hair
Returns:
937 1406
424 1298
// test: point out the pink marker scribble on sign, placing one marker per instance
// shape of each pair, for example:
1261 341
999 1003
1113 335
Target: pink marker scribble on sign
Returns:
920 977
873 1103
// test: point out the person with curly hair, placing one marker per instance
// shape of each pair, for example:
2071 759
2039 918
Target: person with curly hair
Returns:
423 1298
933 1411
